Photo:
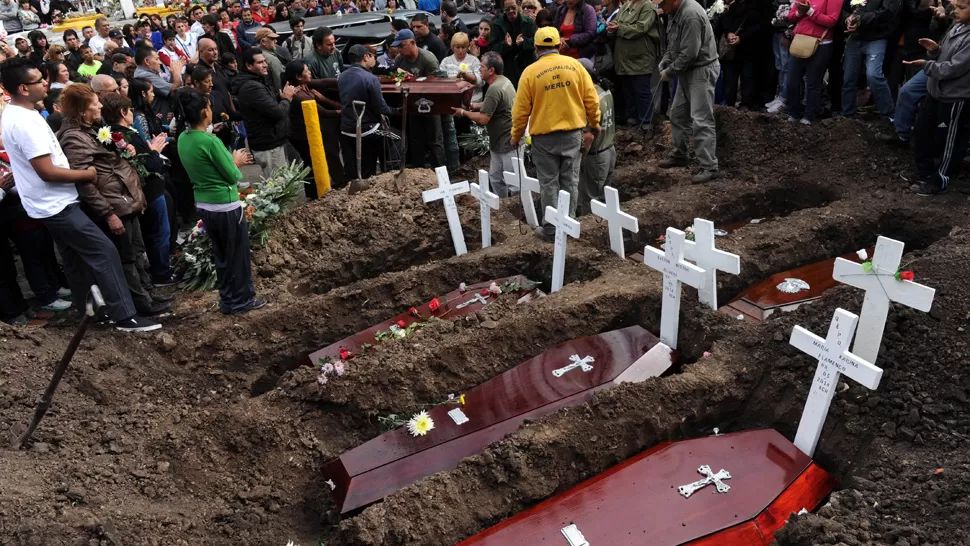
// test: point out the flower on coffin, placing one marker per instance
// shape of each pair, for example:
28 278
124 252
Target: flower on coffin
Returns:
413 311
707 354
401 76
494 289
104 135
401 324
462 288
420 425
434 305
345 354
339 367
461 399
905 276
484 292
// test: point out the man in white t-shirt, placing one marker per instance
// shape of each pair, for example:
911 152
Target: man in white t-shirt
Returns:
46 185
97 41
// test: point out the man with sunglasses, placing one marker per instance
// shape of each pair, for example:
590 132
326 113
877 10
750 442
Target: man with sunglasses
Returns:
46 184
512 38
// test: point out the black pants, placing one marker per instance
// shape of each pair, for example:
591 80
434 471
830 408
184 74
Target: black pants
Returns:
741 68
130 247
424 135
371 147
229 233
36 249
940 139
811 71
12 303
90 258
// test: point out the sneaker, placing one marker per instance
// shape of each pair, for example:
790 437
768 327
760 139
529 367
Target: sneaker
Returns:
254 304
704 177
541 233
24 320
776 108
791 119
64 293
632 121
804 121
137 324
929 189
57 305
670 162
154 309
162 283
892 139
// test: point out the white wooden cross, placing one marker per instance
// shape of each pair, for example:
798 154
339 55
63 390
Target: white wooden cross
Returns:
617 219
447 191
565 225
834 360
487 200
702 252
527 186
670 262
881 288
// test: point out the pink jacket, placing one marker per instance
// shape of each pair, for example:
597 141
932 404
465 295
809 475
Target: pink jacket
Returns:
824 16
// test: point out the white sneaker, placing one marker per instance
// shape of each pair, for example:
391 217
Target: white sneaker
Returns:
63 293
774 102
57 305
777 107
791 119
804 121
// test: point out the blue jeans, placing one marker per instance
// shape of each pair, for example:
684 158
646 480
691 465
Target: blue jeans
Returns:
874 53
781 63
639 98
811 71
909 96
157 232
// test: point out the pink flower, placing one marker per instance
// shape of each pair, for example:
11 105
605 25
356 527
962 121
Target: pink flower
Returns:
462 288
494 289
338 367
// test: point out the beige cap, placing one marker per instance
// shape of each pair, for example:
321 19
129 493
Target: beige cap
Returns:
265 32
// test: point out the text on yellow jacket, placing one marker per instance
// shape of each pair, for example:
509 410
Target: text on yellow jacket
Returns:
555 94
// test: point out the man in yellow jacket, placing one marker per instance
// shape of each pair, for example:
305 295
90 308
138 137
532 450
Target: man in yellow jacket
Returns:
556 99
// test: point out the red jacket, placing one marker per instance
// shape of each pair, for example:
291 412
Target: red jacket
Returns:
824 16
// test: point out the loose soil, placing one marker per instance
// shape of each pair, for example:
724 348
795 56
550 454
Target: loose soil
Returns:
213 433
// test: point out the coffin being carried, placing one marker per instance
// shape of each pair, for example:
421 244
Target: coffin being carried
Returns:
432 95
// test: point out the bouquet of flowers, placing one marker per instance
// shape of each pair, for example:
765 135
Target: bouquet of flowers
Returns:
716 9
264 201
116 142
402 76
475 142
858 6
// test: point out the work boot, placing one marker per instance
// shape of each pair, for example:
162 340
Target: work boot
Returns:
704 177
671 162
892 139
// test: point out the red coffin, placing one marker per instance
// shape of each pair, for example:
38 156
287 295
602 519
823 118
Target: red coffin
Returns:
494 409
761 299
448 310
638 503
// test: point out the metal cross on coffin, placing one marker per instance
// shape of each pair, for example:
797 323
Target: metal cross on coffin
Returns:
881 288
670 262
616 218
834 360
527 186
709 478
477 299
446 191
487 200
582 363
702 252
565 225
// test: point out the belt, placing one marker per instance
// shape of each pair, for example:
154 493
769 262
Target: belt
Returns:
608 148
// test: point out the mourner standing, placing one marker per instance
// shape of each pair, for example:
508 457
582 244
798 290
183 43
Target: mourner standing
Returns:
692 57
557 100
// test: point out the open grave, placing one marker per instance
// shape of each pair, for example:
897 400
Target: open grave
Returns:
223 434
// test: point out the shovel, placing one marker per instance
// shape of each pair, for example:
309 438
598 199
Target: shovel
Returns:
358 185
94 302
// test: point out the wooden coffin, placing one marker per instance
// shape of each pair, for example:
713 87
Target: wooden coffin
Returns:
494 409
433 96
448 310
638 501
762 299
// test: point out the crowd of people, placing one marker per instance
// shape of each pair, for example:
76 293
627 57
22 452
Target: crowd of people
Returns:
119 136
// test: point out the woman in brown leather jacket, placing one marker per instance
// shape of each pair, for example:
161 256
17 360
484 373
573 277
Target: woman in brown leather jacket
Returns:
115 199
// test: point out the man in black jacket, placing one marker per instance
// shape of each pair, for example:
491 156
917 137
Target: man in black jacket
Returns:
264 112
357 83
867 29
426 39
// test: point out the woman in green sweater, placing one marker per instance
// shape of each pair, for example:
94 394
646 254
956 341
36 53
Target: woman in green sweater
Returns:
214 174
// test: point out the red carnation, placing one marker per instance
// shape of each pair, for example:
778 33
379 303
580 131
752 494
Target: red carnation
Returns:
484 292
117 136
413 311
345 354
401 324
434 305
906 276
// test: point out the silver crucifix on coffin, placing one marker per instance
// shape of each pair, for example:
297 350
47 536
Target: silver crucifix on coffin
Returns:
582 363
709 478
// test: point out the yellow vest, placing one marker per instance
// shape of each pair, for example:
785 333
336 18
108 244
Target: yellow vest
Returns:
555 94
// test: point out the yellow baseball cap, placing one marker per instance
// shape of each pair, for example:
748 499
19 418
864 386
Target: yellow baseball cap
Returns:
547 37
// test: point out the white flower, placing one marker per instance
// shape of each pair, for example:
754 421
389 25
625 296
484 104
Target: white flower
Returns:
322 379
716 9
104 135
420 424
327 367
190 258
857 3
863 255
338 367
250 197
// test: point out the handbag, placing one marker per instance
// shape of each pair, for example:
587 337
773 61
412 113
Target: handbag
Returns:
725 49
803 46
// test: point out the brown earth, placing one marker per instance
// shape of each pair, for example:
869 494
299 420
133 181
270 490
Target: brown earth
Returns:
211 433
